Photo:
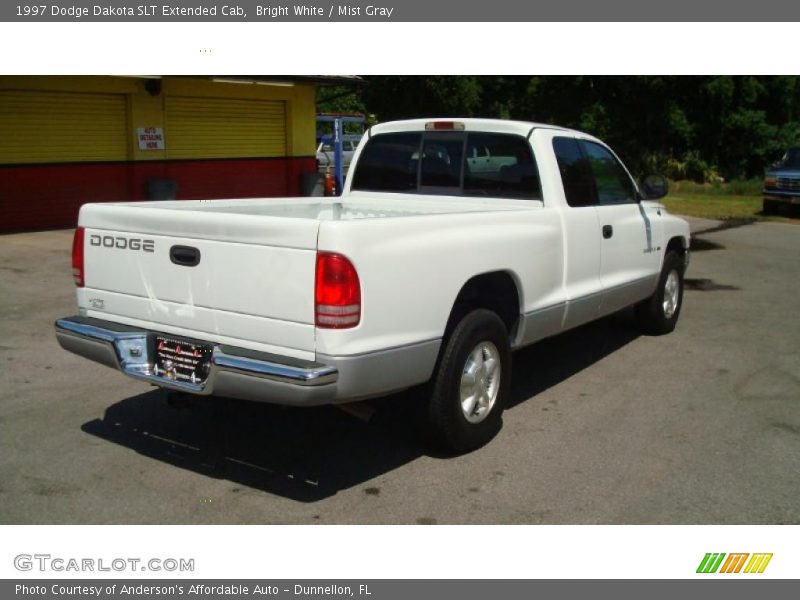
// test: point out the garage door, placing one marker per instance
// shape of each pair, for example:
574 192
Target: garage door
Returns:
224 128
53 127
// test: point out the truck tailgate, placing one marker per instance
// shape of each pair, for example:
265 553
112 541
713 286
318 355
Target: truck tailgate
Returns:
252 286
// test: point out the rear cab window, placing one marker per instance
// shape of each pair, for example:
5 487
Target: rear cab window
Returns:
500 165
388 163
450 163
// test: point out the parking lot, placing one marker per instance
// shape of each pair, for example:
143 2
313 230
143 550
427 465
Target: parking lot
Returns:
606 426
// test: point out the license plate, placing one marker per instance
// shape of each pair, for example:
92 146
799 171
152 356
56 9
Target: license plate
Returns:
181 360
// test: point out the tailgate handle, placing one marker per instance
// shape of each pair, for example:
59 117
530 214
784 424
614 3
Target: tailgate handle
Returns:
185 256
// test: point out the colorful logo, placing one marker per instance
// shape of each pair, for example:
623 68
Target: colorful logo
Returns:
734 562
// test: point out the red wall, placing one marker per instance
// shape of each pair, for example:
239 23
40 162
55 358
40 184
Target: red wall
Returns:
49 196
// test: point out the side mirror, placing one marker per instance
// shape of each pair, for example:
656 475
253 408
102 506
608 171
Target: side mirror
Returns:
654 187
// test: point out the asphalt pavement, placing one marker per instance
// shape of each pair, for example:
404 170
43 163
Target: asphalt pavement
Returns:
606 425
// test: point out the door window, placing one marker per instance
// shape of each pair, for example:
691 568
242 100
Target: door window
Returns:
612 182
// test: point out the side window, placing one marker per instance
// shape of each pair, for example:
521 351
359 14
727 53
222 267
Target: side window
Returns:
388 163
614 186
441 162
501 166
576 174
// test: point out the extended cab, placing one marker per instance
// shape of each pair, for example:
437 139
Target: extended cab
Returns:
454 243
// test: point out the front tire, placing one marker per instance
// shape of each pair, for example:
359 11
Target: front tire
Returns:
659 314
769 207
471 384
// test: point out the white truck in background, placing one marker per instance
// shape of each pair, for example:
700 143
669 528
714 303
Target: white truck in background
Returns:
455 241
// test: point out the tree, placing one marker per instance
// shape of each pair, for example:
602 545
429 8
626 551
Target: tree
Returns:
404 97
684 126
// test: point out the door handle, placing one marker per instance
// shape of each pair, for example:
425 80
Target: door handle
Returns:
608 231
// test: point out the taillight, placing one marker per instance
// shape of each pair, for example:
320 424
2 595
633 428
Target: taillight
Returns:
337 292
77 257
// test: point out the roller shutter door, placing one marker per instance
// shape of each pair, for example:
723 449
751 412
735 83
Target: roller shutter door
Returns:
53 127
224 128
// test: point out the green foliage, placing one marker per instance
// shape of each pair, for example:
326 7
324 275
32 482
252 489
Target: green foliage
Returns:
701 128
339 99
403 97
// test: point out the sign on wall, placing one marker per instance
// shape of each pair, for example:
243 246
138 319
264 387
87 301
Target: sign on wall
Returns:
150 138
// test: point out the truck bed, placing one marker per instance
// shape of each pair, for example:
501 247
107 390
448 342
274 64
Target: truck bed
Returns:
254 283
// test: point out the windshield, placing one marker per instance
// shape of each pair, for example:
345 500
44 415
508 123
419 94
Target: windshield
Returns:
791 160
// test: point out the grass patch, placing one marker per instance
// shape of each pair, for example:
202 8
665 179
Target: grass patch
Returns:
737 187
720 206
740 199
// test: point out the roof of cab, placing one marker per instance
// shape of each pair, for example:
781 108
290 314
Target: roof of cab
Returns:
470 124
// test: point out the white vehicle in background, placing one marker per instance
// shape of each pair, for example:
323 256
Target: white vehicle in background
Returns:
455 242
325 152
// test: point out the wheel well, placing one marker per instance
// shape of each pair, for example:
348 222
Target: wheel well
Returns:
677 244
494 291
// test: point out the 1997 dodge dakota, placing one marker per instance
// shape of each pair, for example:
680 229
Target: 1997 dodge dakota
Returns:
454 243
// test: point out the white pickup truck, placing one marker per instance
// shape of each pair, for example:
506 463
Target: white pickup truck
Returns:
454 242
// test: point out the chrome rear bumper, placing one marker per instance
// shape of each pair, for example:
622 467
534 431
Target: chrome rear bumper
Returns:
233 372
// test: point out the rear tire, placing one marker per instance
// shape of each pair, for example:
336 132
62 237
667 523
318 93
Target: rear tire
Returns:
659 313
471 384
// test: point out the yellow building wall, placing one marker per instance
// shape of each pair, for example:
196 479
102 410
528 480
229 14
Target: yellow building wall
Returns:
39 126
146 110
